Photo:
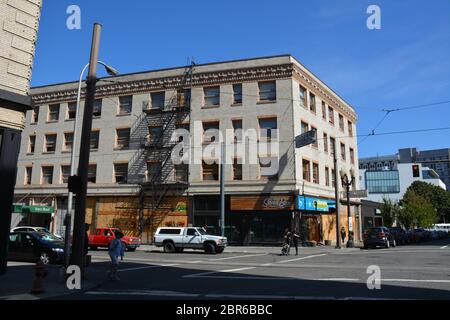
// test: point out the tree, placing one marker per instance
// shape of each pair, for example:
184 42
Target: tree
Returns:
416 211
438 197
389 210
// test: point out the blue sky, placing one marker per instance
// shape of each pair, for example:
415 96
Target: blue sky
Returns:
406 63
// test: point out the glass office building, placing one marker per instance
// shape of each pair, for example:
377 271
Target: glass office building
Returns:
382 181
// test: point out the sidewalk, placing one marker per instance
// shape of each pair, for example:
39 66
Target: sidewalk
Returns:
17 282
264 249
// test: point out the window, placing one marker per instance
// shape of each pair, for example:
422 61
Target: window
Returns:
158 99
184 97
304 127
53 112
125 104
121 172
71 110
212 134
343 151
352 156
35 115
324 111
31 144
267 91
306 170
350 128
97 111
65 174
382 181
268 168
154 134
331 115
154 171
211 96
341 122
47 175
237 130
316 143
312 102
181 172
303 102
268 129
325 142
95 136
28 172
50 143
92 173
237 170
315 173
237 93
327 176
122 139
68 141
210 171
332 146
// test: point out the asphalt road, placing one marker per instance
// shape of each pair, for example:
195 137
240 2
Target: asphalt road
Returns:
408 272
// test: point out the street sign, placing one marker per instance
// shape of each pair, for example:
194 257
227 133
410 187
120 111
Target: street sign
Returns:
355 194
306 138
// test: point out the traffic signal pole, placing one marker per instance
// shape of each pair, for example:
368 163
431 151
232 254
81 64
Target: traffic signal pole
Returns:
83 163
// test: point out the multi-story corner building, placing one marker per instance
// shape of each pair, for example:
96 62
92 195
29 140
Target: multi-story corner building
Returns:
19 20
437 160
137 184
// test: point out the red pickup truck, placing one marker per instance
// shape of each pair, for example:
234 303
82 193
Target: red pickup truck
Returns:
103 236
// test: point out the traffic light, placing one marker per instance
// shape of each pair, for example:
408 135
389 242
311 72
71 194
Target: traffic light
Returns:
416 171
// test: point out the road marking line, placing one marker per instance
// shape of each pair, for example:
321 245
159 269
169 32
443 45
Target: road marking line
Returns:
195 275
144 293
249 255
415 280
148 267
303 258
337 279
444 247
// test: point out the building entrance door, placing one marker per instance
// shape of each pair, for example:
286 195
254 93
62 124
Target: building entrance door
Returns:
314 225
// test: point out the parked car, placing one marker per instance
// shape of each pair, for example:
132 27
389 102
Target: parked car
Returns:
103 236
177 239
35 229
34 246
400 235
378 237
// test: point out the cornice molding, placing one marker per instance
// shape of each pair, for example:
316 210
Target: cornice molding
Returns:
331 99
282 71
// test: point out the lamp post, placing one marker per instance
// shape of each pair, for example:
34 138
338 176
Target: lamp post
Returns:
347 183
69 220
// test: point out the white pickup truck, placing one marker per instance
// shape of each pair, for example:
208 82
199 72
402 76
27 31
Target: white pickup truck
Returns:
174 239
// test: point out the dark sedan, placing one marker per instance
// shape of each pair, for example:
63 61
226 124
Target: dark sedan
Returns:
378 237
34 246
400 235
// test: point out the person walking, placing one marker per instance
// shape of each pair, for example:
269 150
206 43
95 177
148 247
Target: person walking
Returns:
287 242
343 234
295 239
116 249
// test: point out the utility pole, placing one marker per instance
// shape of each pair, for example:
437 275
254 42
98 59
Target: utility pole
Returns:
336 195
222 189
83 164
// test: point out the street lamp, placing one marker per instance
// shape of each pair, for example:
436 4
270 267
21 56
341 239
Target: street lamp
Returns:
112 72
346 182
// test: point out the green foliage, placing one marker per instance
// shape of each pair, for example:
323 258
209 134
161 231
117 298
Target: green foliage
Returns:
438 197
416 211
389 211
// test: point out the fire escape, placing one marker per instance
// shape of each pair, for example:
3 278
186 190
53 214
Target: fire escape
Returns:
164 184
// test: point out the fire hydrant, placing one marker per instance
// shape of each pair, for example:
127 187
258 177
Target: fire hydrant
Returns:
40 274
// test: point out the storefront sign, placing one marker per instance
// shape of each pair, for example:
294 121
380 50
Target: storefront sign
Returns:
313 204
262 203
